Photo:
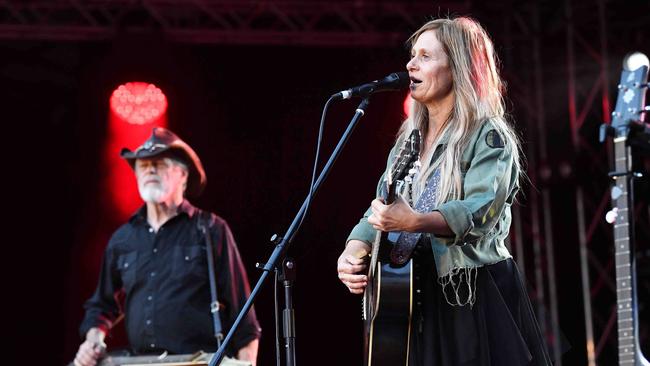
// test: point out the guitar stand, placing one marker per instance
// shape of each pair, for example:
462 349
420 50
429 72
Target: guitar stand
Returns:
281 248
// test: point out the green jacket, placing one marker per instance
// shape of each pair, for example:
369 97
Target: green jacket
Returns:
480 220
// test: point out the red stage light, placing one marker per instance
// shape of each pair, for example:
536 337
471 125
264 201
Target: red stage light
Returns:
136 108
138 103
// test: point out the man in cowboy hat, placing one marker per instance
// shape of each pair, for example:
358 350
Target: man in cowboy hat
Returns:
159 260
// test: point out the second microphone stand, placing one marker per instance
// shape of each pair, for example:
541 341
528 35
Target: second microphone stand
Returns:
287 278
281 248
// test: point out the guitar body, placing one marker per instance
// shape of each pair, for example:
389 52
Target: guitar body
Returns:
388 330
388 297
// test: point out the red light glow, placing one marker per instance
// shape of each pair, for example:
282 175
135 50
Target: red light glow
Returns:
138 103
136 108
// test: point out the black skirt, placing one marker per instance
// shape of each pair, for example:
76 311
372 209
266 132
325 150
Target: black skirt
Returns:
500 329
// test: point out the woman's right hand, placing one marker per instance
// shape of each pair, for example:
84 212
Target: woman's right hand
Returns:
352 264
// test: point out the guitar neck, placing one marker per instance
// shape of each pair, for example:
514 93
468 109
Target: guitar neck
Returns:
628 345
389 197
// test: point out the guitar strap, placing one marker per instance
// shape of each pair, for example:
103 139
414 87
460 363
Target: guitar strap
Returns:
203 224
406 242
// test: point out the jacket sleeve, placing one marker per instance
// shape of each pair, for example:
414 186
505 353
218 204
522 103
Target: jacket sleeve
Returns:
233 287
103 309
488 185
363 230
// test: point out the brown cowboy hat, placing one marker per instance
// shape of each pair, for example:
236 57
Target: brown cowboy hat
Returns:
163 141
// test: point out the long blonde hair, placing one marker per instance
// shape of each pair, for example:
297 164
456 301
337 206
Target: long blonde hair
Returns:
478 91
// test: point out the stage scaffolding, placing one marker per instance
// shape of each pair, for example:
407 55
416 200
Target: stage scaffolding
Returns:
242 22
588 31
586 106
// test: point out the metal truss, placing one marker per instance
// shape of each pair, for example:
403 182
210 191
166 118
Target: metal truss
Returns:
577 116
522 33
590 105
576 120
589 31
319 23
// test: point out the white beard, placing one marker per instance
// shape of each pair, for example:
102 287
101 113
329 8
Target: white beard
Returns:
151 193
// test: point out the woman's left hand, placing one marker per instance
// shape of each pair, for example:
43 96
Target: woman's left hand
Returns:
398 216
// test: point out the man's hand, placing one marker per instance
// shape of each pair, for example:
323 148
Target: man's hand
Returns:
249 352
351 263
91 349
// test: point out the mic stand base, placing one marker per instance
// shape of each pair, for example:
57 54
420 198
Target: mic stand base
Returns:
287 277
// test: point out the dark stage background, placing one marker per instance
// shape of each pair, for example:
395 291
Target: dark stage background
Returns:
251 112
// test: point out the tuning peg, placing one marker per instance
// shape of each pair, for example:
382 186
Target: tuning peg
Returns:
606 130
611 215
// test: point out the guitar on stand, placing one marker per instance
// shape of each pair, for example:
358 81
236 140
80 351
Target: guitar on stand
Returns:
387 299
627 128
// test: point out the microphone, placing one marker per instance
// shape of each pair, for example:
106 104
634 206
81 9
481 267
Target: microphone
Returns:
394 81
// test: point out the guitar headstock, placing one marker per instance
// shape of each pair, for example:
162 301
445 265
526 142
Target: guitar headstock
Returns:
630 103
407 158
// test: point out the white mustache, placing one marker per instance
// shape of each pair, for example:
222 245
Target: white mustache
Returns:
151 179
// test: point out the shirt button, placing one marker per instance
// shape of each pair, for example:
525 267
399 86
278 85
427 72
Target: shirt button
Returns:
151 230
155 250
126 265
187 257
152 274
153 345
149 297
148 321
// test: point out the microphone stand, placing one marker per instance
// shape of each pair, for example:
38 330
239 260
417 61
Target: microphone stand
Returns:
288 277
281 248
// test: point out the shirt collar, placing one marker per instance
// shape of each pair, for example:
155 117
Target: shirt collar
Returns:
185 208
440 145
444 138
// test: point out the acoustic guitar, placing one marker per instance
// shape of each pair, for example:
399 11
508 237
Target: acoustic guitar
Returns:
387 299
